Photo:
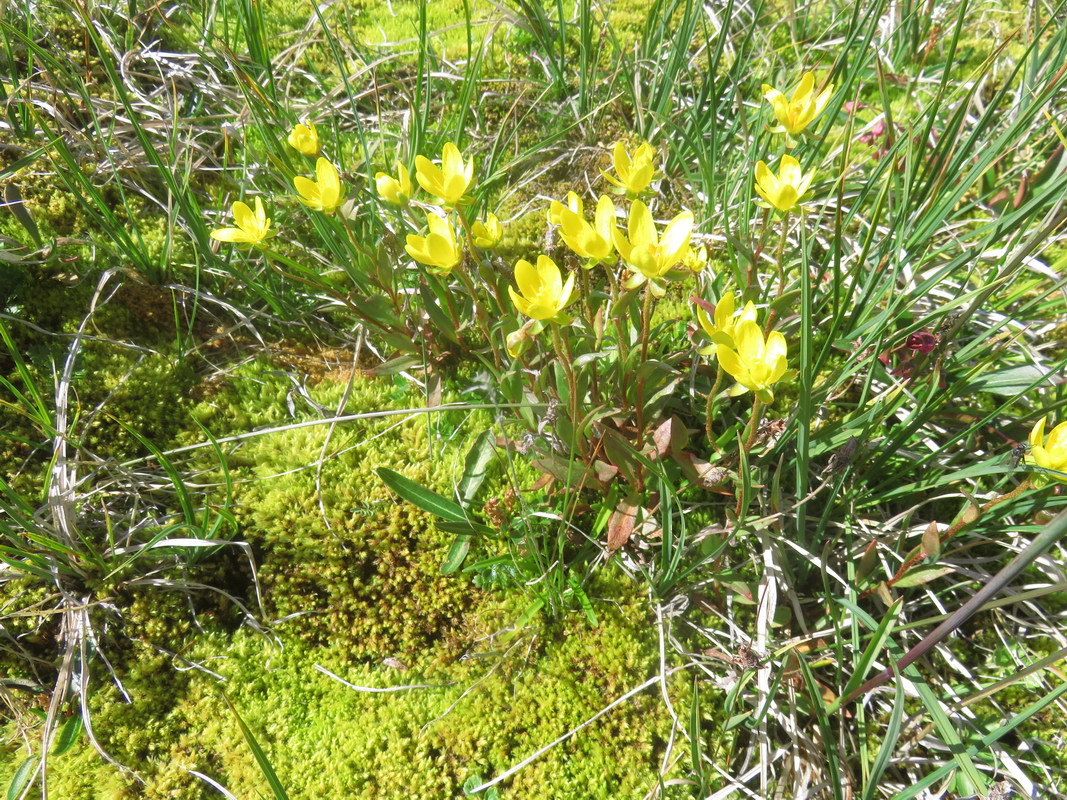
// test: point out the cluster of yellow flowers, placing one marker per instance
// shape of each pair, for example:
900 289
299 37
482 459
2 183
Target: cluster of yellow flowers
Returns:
784 190
441 249
322 194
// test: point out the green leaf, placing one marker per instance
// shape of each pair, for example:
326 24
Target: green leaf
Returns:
456 554
921 575
466 528
13 201
22 778
261 757
1011 381
476 465
68 735
421 496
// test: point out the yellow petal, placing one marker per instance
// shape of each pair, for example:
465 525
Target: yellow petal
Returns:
729 361
1057 439
1037 435
527 279
549 277
789 171
518 300
807 83
724 311
766 182
621 160
749 340
567 294
329 182
676 236
705 321
642 228
243 215
231 235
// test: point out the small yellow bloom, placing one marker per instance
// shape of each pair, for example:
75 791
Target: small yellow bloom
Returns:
722 327
542 293
305 138
439 249
252 226
784 191
800 110
648 255
696 259
574 203
451 180
488 234
755 364
1048 453
634 172
395 190
592 242
324 193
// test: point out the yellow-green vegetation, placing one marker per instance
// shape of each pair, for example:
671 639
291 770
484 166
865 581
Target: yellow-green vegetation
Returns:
327 740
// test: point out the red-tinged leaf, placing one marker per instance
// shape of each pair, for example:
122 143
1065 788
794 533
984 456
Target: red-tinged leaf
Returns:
670 437
542 482
931 541
868 560
605 472
703 473
704 304
882 590
622 522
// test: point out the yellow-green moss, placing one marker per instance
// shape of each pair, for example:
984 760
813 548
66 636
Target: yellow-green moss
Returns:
326 740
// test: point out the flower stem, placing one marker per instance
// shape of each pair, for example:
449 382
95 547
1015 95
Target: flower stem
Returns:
780 268
753 423
621 332
646 314
572 384
711 404
479 310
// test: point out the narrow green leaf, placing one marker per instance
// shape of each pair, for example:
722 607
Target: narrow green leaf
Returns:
68 735
21 779
422 497
261 757
456 554
476 465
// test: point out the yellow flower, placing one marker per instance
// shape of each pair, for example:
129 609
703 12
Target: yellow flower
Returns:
451 180
650 256
592 242
755 364
324 193
784 191
1048 453
634 172
252 226
305 138
800 110
574 203
696 259
722 327
439 249
395 190
488 234
542 293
